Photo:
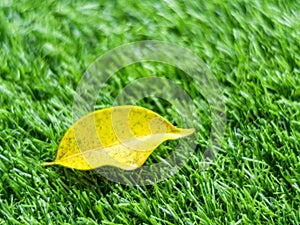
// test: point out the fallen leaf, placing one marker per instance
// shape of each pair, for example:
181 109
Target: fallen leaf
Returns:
121 136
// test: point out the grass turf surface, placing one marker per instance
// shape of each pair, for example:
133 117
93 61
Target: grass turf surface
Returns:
252 48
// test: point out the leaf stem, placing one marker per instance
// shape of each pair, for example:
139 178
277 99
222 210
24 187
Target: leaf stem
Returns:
47 163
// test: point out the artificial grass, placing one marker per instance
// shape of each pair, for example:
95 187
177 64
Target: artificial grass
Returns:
251 47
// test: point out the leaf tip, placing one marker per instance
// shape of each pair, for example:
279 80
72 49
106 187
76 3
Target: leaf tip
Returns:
187 132
181 133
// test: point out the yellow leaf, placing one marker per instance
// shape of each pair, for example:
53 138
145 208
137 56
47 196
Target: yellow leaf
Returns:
121 136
